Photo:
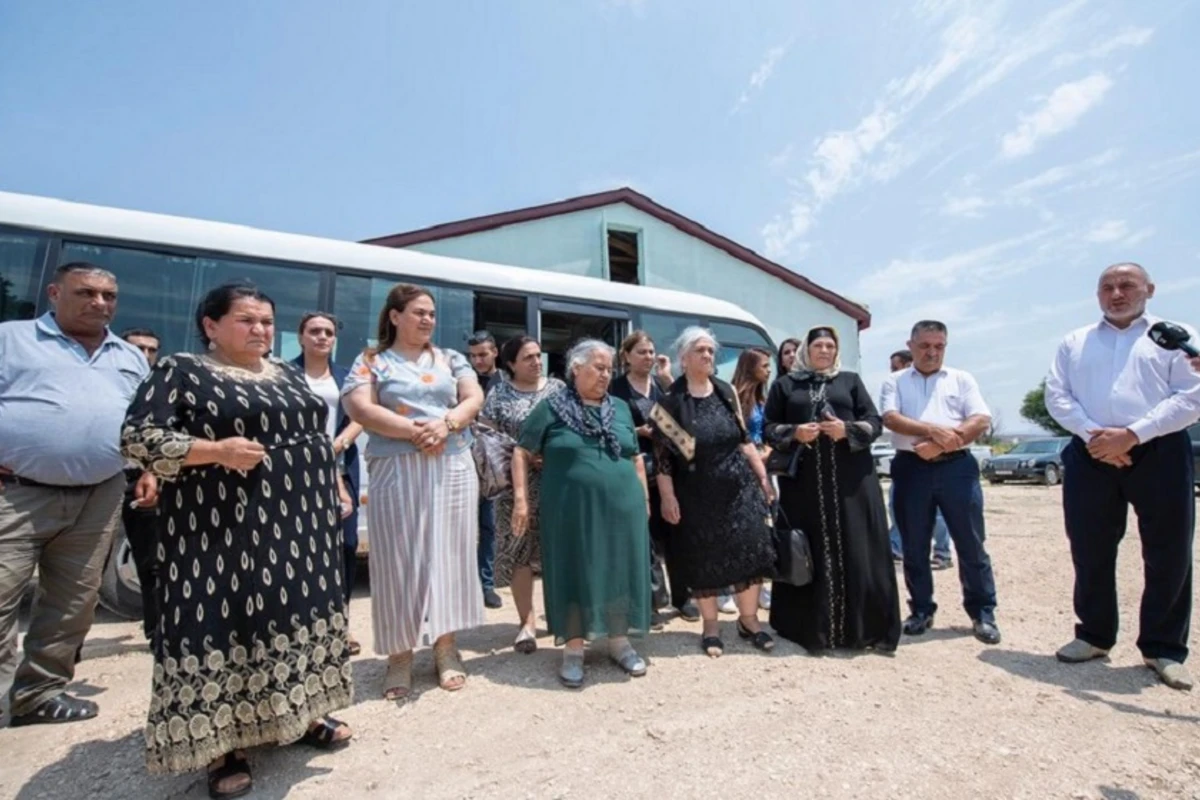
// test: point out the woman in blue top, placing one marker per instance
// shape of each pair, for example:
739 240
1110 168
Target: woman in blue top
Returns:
417 403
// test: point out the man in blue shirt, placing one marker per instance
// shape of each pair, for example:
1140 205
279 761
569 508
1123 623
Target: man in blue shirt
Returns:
65 383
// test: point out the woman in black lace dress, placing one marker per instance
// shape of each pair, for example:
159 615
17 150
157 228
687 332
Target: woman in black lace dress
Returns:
853 601
251 646
715 490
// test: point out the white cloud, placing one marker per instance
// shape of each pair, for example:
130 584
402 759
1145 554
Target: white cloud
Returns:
762 73
1017 49
783 234
1061 111
1108 231
1130 37
839 155
1056 175
1139 236
971 207
903 277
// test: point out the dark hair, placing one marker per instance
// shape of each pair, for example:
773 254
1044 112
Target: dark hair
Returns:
750 390
512 349
481 337
143 332
311 315
779 354
397 300
80 266
217 302
631 341
928 325
904 355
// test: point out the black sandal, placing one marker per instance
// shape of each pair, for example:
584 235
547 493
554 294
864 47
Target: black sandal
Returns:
233 766
323 736
708 643
61 708
760 639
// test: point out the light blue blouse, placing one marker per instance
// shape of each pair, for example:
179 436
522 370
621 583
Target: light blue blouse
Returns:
426 388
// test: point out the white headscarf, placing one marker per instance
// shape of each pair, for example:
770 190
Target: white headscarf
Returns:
802 362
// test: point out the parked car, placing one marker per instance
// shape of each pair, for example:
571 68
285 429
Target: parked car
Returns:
883 452
1031 460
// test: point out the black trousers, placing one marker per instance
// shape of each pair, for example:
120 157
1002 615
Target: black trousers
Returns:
1096 500
141 531
660 560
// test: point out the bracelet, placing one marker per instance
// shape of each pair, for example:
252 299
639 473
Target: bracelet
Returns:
451 425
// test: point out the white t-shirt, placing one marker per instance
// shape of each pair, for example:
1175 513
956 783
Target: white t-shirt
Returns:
947 397
327 390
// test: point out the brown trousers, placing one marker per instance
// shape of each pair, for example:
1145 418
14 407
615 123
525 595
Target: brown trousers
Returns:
65 534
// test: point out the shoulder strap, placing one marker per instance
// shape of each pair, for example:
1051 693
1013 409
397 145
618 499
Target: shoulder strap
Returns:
683 441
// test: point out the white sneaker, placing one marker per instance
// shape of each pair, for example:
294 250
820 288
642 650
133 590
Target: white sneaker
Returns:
726 605
764 598
1172 673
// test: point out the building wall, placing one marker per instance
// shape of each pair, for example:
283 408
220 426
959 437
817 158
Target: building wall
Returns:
670 259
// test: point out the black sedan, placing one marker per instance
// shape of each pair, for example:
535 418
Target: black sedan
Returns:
1031 460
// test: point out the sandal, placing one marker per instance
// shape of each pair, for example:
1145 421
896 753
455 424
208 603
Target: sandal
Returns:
712 645
60 708
352 645
760 638
234 765
452 675
526 641
397 682
323 734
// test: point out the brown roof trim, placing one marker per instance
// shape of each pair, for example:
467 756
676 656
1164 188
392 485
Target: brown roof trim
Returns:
639 201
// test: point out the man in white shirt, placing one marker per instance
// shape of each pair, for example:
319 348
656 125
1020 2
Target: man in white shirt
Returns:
936 412
1128 403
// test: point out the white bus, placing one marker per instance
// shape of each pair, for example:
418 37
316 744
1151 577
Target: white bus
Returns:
165 264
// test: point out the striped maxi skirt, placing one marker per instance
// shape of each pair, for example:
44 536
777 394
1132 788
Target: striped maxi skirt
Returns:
423 524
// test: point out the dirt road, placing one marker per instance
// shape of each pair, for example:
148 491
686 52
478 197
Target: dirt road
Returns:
945 718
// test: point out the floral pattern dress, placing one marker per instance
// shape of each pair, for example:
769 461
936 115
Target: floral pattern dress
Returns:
251 645
506 409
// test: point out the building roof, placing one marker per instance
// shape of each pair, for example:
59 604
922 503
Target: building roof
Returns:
450 230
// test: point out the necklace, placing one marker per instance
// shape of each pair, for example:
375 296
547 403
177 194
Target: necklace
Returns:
267 370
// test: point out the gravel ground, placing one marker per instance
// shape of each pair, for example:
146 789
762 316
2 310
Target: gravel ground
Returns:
946 717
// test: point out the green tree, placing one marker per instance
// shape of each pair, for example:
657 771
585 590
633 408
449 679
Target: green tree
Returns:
1034 410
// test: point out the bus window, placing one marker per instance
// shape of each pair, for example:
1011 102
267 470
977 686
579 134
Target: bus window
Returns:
20 274
154 290
562 329
357 301
502 315
294 290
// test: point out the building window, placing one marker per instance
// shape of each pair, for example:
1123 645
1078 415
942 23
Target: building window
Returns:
623 256
20 275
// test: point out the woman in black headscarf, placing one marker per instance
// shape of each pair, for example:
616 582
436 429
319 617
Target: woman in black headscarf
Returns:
853 602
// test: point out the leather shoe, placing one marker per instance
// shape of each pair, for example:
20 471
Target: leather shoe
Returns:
491 599
917 624
689 612
1172 673
986 631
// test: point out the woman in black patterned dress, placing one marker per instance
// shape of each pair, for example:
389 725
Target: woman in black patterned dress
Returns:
853 601
715 490
251 646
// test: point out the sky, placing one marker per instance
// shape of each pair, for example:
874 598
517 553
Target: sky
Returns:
976 162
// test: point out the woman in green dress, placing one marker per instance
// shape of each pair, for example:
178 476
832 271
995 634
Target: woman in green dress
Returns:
594 514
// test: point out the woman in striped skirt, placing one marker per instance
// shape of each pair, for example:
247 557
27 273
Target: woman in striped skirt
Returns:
417 402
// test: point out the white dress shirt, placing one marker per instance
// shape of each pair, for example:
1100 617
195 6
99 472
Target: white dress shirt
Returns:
947 398
1105 377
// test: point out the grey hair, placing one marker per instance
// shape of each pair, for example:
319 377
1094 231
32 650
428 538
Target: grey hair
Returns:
690 337
1128 265
81 267
583 351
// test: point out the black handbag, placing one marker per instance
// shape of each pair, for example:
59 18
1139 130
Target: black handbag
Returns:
793 556
785 463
